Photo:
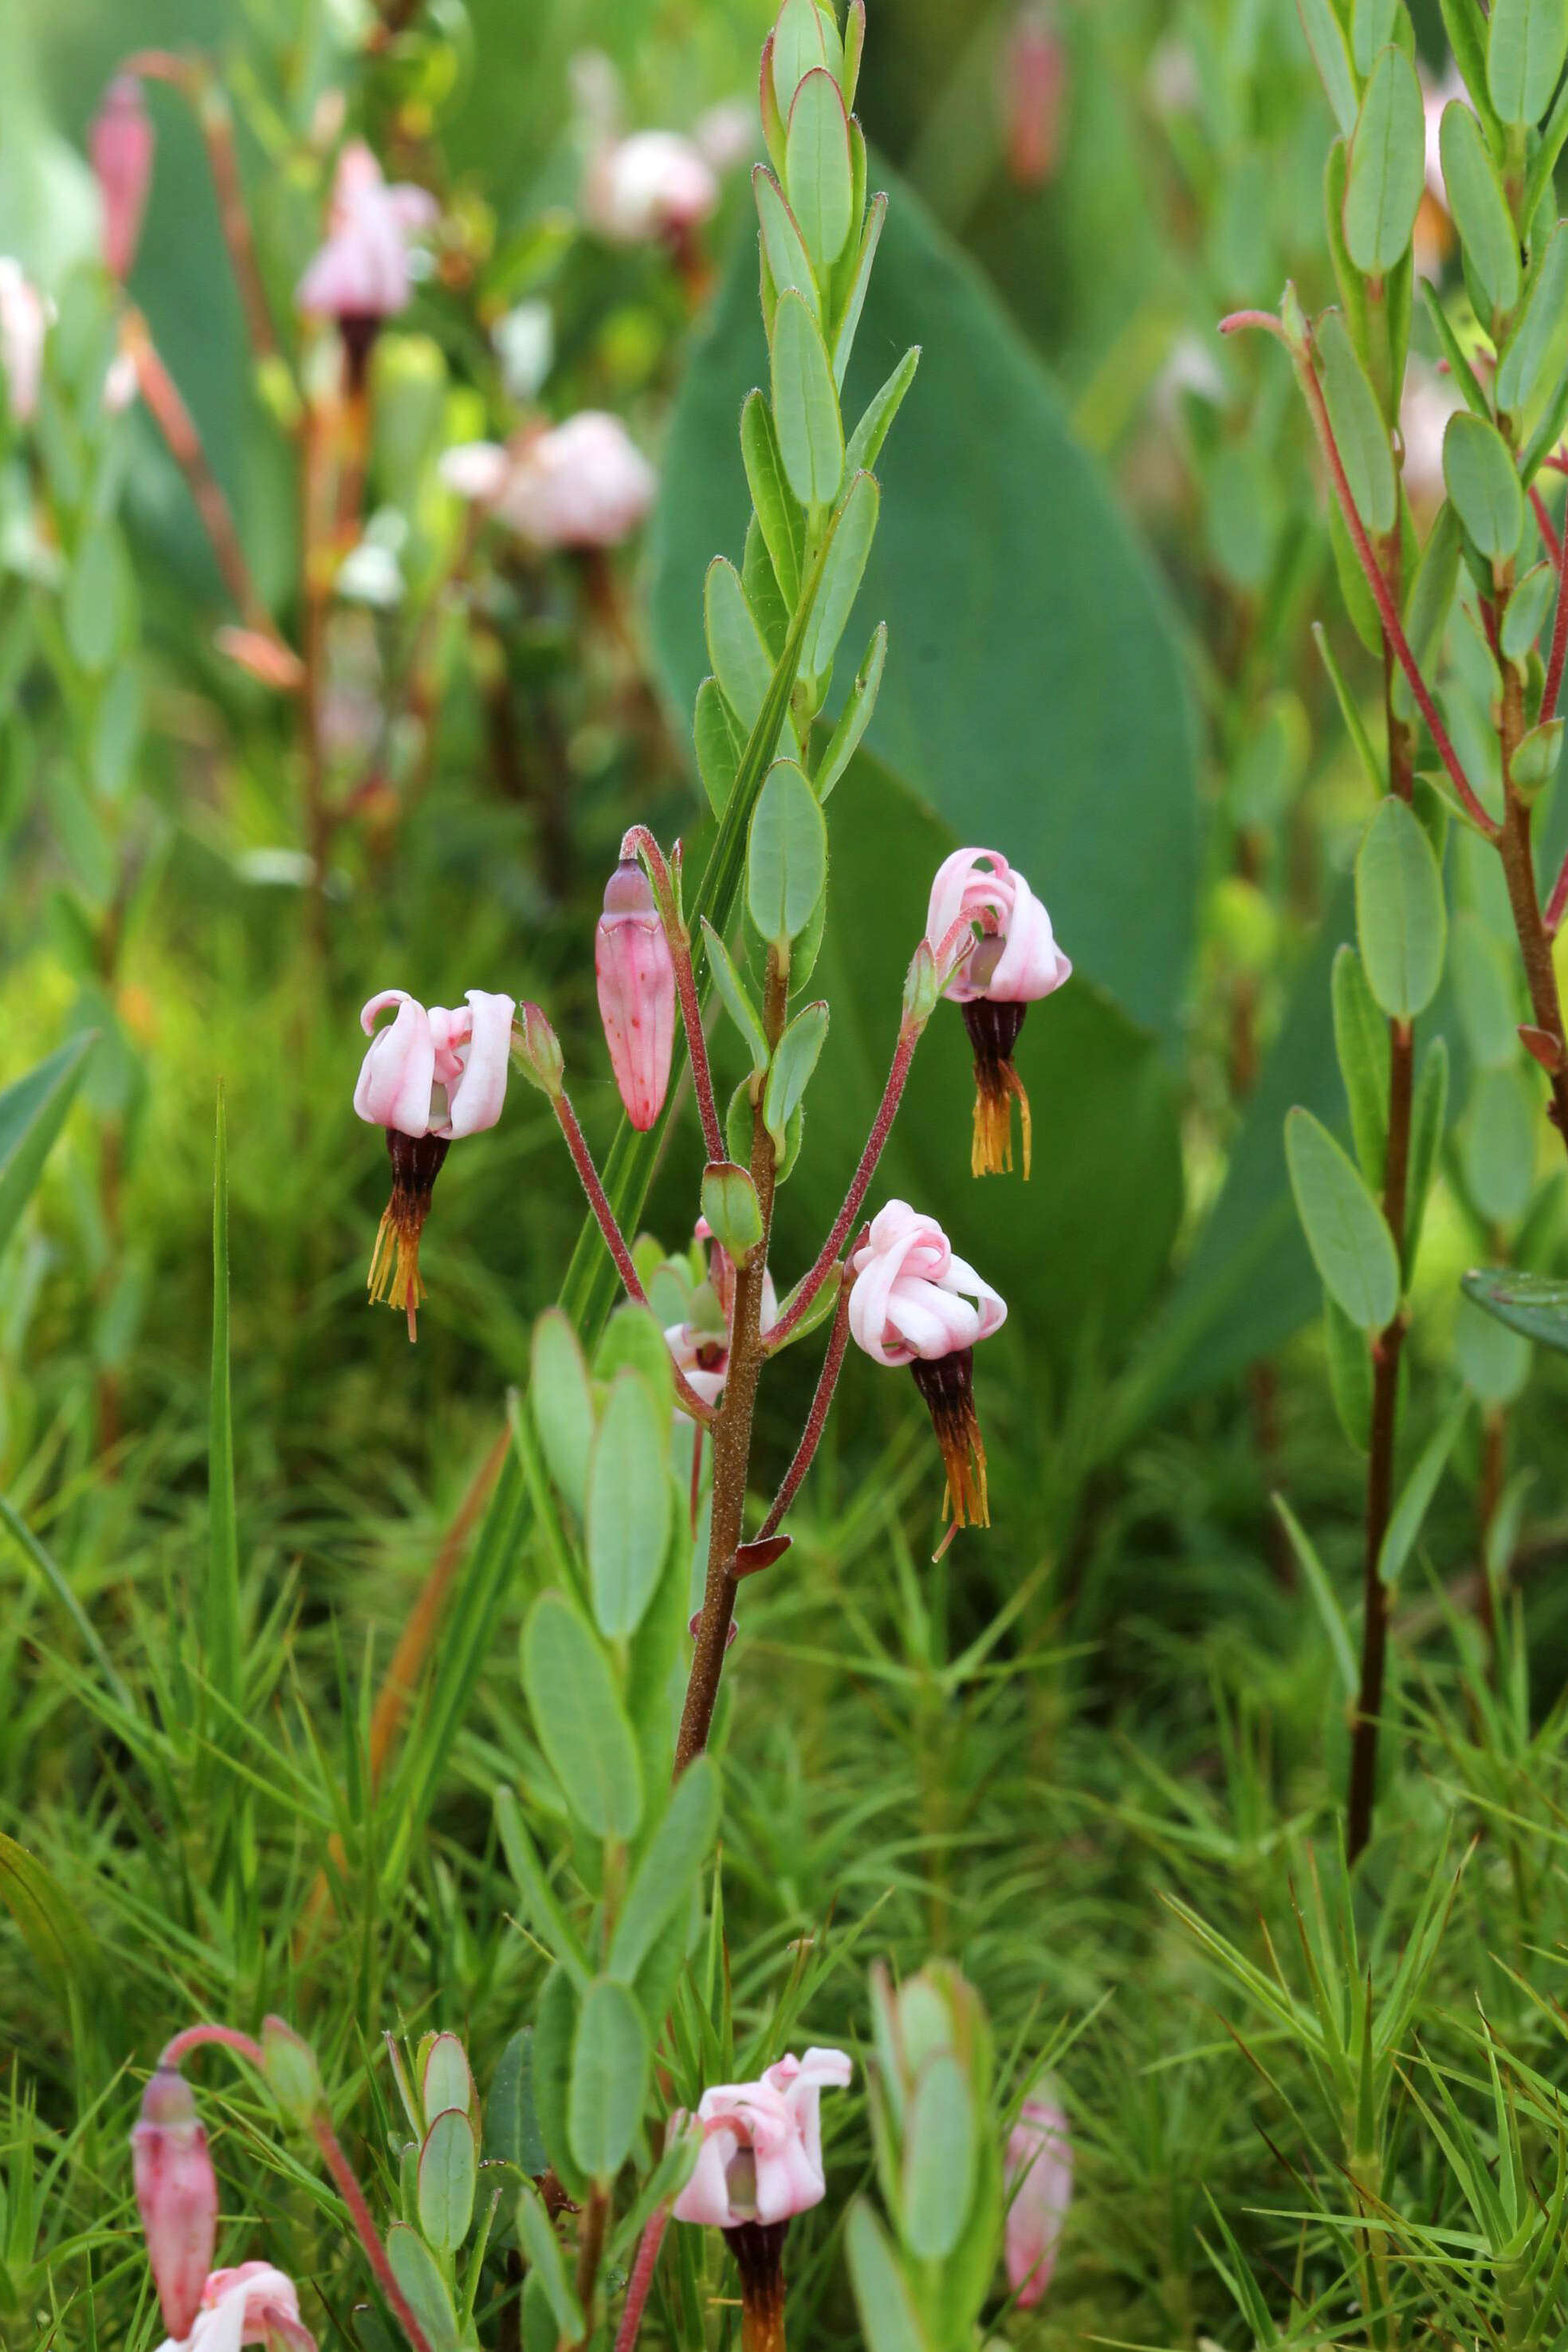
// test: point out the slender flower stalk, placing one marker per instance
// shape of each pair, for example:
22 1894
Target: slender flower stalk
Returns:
353 2197
799 1300
817 1419
640 2281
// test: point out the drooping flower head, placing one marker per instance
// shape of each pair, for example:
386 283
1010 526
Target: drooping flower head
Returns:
914 1303
1010 960
121 144
762 2156
251 2304
360 275
583 484
652 187
427 1077
636 973
24 323
176 2195
1039 2171
700 1346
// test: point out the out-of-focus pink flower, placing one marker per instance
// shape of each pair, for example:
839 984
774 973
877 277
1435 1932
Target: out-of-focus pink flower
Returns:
582 484
428 1077
636 977
914 1303
120 384
1034 92
1038 2169
24 323
251 2304
1427 402
361 276
120 144
176 2196
652 185
761 2155
726 134
1011 960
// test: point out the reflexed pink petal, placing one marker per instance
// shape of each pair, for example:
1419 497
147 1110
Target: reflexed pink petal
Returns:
398 1071
912 1298
475 1102
980 887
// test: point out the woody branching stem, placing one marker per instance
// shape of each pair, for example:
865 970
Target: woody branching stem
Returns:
604 1215
640 842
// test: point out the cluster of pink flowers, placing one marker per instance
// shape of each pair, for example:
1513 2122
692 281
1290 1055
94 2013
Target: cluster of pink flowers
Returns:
580 484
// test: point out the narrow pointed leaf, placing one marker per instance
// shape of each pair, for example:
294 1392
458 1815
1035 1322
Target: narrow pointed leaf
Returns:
805 407
1387 162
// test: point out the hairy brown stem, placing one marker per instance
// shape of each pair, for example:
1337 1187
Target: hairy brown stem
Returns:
642 2279
590 2253
733 1425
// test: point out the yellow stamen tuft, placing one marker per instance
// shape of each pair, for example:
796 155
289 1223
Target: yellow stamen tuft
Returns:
991 1152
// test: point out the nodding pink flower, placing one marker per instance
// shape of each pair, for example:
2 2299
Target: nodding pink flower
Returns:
652 185
176 2195
914 1303
1033 95
361 276
1039 2169
761 2158
583 484
428 1079
24 323
701 1351
251 2304
120 144
1011 960
636 977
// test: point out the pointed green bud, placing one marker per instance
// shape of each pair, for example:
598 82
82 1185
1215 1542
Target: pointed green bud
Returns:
535 1051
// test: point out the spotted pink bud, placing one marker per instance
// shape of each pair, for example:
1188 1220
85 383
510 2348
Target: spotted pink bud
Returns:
177 2196
636 977
121 144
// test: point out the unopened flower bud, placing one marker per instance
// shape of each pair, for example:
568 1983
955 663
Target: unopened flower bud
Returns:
921 993
636 977
292 2074
1034 87
1038 2167
121 143
177 2197
731 1209
535 1051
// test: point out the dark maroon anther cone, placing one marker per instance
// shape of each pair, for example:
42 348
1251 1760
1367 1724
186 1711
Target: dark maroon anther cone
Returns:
948 1385
358 330
759 2250
394 1262
993 1032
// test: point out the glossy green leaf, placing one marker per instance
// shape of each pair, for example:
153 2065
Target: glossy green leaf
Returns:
1361 1041
629 1506
779 518
939 2153
865 441
786 856
1401 920
741 661
536 2232
1497 1143
720 740
784 247
562 1405
1538 331
805 406
1386 166
1325 39
1478 205
817 168
1483 483
579 1719
417 2272
855 717
1535 1305
1358 427
1486 991
854 301
609 2061
888 2317
1415 1496
1343 1224
736 998
32 1112
676 1854
1526 43
794 1058
842 573
512 2134
448 2176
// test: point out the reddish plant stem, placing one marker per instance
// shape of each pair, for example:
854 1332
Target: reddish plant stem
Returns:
860 1184
353 2197
1559 653
1387 610
817 1419
640 842
1549 539
1534 930
199 2037
642 2279
193 79
597 1201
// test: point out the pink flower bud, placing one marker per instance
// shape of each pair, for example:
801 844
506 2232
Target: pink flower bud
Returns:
1034 89
121 144
177 2196
24 323
636 977
1039 2175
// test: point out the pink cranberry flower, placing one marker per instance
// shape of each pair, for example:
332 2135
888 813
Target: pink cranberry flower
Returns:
24 323
1039 2170
427 1078
176 2195
252 2305
652 187
636 976
761 2157
360 275
120 144
1011 960
702 1352
914 1303
583 484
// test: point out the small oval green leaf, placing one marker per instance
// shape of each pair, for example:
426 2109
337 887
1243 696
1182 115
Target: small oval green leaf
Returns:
817 167
855 716
448 2174
1349 1241
794 1059
609 2061
1479 206
741 661
1400 919
1358 427
1483 486
417 2271
561 1404
938 2160
788 263
628 1522
786 855
580 1721
1387 166
842 571
668 1871
1535 1305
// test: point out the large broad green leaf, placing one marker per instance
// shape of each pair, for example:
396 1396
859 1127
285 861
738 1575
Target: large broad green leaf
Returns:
1033 695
